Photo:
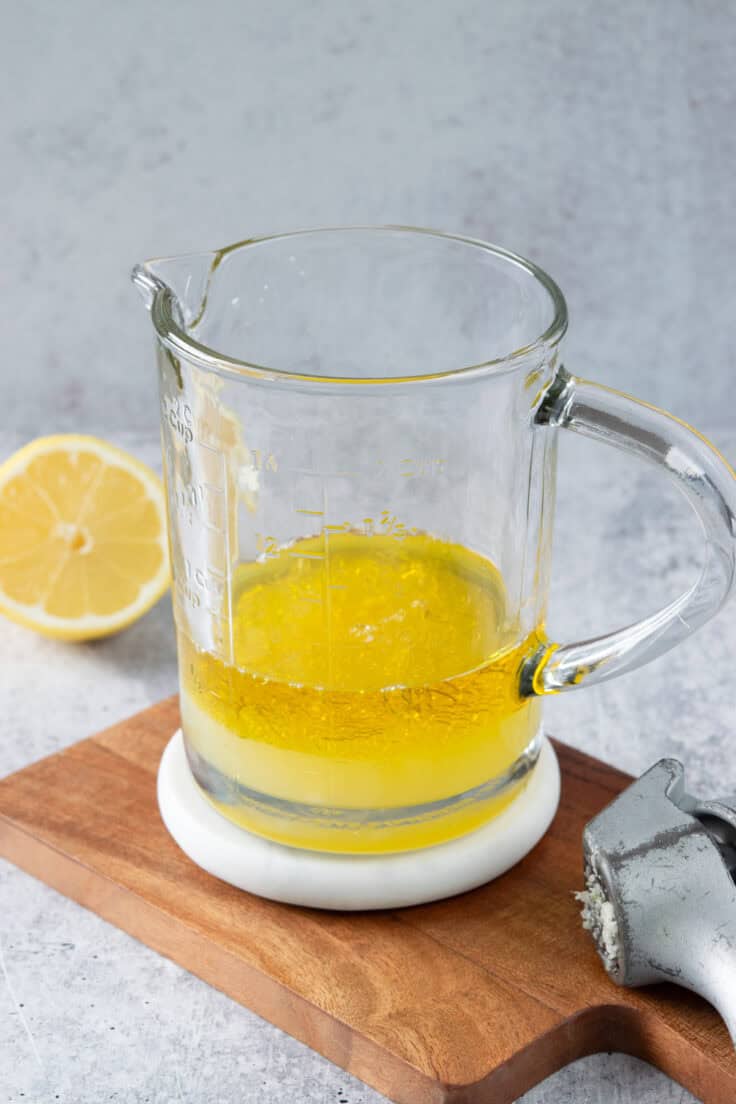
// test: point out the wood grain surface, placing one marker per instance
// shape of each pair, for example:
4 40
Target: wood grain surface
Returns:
472 1000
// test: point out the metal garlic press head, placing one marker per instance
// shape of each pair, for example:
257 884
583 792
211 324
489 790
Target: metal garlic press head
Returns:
660 897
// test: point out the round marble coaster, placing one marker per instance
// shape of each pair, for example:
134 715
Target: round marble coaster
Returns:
323 880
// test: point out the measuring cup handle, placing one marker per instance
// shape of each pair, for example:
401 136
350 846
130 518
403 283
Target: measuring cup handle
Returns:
709 484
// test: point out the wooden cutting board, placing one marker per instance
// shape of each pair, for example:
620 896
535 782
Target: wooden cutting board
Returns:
470 1000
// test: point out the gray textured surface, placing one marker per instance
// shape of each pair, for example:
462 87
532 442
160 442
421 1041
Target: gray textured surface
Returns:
599 140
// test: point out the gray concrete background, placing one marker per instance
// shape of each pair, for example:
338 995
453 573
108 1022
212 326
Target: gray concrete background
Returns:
598 140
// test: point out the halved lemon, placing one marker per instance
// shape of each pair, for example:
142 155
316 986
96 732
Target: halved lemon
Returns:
83 548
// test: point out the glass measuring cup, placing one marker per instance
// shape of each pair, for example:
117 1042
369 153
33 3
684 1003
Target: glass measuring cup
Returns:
359 432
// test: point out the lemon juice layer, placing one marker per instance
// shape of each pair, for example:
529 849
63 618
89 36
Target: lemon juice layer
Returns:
373 703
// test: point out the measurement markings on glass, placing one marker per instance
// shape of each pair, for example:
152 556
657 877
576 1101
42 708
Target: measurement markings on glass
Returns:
226 576
202 501
204 578
203 504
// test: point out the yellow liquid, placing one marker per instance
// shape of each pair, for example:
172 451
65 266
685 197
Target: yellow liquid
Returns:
371 673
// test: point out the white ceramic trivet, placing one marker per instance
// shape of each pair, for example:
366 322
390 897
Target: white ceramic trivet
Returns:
324 880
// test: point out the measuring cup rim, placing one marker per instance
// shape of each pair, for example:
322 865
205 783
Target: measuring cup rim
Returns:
180 342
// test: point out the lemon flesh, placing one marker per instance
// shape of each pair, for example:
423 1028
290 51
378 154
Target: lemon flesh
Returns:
83 548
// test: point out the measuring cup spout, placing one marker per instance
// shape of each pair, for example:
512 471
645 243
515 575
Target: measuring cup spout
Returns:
185 277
